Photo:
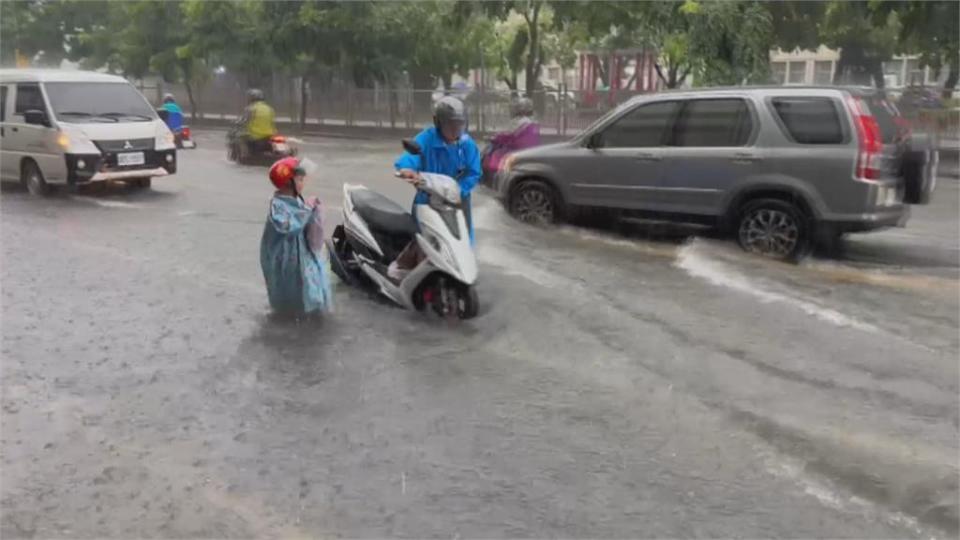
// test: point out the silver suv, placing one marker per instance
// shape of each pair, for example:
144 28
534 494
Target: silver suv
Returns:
778 167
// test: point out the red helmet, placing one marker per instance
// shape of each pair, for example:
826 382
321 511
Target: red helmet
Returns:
283 171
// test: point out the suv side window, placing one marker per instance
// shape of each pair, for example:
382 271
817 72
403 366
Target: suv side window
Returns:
3 103
28 97
641 127
714 122
810 120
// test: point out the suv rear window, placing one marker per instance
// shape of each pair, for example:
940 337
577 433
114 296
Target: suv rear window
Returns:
810 120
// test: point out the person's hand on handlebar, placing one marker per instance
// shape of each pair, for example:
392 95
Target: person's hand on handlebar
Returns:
411 176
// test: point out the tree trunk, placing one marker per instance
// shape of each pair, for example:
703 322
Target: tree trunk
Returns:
533 58
422 96
193 104
876 71
304 98
952 77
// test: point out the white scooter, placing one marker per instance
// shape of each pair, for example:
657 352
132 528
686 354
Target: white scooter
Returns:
375 230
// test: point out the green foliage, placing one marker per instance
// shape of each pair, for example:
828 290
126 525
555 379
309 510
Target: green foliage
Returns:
718 42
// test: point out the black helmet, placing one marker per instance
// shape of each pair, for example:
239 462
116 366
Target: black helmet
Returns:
254 94
168 98
448 110
521 107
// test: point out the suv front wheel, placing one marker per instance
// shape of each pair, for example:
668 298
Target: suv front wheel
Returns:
774 228
535 202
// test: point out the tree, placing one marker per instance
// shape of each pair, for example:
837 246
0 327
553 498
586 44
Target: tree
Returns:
730 41
865 42
930 29
528 39
864 37
721 42
44 31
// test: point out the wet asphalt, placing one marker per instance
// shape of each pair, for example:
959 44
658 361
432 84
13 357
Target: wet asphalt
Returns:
618 383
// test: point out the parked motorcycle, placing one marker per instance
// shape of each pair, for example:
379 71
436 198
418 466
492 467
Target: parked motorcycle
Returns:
264 153
375 230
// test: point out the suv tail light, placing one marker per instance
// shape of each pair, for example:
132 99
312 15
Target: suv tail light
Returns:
869 139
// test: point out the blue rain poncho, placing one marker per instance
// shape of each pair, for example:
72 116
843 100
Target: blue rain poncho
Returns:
450 159
296 276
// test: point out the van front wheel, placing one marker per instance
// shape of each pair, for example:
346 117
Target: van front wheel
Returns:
32 179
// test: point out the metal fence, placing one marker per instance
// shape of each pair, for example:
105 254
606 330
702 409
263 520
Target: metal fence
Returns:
560 112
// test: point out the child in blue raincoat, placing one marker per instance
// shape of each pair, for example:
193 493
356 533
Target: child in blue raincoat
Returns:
295 273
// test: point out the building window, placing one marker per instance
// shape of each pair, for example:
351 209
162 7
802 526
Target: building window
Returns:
914 72
778 72
892 73
823 72
797 72
553 74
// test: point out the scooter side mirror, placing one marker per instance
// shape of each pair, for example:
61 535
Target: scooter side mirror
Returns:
411 146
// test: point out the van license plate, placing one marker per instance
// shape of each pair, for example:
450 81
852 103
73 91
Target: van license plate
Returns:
130 158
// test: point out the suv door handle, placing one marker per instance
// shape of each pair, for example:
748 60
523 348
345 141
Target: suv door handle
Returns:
744 157
648 157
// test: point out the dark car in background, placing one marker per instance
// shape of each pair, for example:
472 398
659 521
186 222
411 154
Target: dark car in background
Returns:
777 167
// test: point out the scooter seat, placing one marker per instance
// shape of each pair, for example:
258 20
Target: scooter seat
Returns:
382 214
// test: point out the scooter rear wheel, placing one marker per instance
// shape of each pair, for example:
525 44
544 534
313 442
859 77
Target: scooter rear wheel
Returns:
342 257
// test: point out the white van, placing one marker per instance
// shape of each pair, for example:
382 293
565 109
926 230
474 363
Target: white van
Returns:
75 127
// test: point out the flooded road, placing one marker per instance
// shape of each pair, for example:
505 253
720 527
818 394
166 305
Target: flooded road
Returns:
638 385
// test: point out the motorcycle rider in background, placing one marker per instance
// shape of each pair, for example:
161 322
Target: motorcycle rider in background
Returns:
174 118
258 123
524 133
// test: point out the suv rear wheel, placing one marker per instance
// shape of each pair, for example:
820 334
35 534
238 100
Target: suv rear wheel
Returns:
774 228
535 202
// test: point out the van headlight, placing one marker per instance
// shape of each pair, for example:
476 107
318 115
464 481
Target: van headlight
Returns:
73 140
165 139
63 141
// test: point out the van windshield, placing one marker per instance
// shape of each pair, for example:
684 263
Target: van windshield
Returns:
98 102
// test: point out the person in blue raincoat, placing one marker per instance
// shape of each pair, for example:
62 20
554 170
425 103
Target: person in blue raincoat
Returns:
174 113
295 274
448 150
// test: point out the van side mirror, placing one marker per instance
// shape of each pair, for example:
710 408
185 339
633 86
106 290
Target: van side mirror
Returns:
36 117
595 140
163 114
411 146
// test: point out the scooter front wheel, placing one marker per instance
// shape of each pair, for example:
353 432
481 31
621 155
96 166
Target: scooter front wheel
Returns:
455 299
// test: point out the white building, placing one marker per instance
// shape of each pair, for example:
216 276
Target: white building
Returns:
805 67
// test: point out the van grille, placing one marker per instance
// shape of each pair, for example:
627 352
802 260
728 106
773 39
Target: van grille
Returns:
122 145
